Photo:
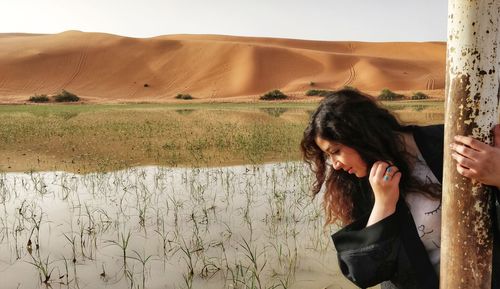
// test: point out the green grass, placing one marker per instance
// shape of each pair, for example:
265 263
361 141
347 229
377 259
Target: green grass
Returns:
402 104
107 137
144 106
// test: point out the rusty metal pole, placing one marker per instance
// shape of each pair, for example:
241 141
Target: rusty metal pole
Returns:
472 87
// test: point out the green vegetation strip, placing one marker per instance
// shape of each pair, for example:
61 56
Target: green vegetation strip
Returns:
101 137
147 106
84 138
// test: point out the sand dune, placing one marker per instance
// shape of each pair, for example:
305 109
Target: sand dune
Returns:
109 68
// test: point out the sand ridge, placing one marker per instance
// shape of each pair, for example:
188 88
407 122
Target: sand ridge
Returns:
110 68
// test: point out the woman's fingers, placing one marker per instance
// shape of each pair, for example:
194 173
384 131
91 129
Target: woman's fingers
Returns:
373 170
397 177
381 169
477 160
466 172
465 151
469 153
377 168
383 172
384 180
472 143
463 161
391 173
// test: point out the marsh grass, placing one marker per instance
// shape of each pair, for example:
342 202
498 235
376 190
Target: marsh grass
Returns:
44 267
251 226
143 260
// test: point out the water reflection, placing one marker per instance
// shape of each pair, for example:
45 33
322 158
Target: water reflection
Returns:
185 111
60 114
274 111
151 227
420 117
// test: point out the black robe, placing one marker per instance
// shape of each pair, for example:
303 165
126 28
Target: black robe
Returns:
390 251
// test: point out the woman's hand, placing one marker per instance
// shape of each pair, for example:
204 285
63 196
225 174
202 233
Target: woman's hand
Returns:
384 180
477 160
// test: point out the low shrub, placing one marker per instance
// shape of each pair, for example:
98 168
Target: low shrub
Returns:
348 87
66 96
387 94
39 98
419 95
318 92
183 96
273 95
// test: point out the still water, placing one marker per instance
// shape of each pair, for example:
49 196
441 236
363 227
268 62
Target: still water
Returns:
160 227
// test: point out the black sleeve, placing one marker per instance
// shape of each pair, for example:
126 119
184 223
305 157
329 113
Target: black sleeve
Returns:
368 255
496 210
495 276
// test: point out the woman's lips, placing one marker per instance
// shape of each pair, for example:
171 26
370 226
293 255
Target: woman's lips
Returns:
350 171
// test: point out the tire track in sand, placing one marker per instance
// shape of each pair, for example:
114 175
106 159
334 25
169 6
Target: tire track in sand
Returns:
352 72
82 60
430 83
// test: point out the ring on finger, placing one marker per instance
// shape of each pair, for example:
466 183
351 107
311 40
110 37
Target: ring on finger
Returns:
389 169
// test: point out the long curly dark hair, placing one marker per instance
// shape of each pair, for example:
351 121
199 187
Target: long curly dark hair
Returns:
354 119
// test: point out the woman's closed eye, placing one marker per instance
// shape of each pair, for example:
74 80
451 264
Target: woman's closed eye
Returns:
328 156
333 152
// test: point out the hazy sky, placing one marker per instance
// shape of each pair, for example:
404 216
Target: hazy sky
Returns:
362 20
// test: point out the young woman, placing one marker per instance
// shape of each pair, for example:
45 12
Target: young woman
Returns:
382 181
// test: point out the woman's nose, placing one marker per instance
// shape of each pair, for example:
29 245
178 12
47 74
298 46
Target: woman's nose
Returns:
336 165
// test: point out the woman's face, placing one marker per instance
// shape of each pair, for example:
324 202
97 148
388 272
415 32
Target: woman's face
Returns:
342 157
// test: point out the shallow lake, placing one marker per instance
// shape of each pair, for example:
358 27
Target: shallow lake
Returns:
157 227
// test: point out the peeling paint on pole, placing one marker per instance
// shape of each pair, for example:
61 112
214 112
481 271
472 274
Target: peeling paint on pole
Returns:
472 97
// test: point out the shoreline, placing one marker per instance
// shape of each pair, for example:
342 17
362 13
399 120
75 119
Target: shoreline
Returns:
294 97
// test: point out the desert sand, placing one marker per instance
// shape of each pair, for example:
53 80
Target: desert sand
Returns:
109 68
